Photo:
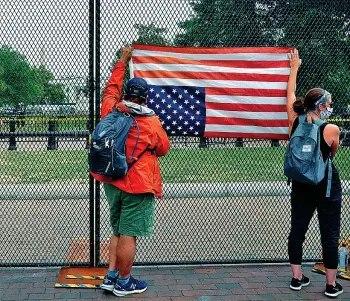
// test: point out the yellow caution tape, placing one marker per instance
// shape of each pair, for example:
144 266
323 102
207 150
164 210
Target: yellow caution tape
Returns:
84 277
46 119
337 119
70 285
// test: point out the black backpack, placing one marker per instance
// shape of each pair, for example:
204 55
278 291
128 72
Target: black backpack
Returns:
107 145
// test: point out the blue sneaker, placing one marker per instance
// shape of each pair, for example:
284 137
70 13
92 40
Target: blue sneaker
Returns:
108 283
133 286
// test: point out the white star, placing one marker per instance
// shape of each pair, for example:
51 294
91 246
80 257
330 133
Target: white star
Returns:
151 90
197 92
198 123
191 96
163 91
157 106
168 117
173 132
174 91
151 101
198 113
162 112
168 128
192 118
180 117
198 102
180 106
192 107
179 128
174 101
169 96
185 91
196 133
169 106
186 101
175 112
180 96
191 128
157 95
186 123
186 112
163 100
185 133
174 122
162 122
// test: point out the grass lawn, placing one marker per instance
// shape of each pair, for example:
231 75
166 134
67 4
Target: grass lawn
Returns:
180 165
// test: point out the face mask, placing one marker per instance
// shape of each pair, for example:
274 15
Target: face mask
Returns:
326 114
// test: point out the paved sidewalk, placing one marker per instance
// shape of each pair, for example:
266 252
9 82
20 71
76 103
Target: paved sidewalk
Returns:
203 283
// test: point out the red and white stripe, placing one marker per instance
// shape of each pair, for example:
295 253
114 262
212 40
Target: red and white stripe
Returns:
245 87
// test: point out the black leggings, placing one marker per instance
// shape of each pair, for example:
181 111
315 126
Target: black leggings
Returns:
304 202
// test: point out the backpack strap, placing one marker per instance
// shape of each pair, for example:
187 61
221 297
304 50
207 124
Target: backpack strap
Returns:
302 118
137 139
329 180
135 159
319 122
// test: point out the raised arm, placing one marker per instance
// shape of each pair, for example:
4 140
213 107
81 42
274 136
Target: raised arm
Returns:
113 90
295 63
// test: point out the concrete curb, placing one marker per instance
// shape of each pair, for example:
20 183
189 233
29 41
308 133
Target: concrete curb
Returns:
71 191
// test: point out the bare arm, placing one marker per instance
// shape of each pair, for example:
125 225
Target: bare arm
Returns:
295 63
331 135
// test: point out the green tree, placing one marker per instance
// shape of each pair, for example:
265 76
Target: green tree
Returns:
320 30
18 81
22 83
147 35
222 23
53 93
150 35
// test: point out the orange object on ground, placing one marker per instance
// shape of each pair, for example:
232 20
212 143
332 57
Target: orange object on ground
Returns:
63 282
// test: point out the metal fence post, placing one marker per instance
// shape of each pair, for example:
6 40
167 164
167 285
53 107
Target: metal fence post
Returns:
275 143
87 139
346 141
91 127
52 143
12 145
97 119
203 142
239 142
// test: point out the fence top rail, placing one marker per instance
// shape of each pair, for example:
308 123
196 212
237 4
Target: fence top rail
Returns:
78 134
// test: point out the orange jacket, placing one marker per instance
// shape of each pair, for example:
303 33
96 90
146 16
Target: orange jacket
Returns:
144 176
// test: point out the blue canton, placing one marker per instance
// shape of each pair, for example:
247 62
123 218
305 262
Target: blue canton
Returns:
180 109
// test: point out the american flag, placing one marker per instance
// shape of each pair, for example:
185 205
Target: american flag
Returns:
216 92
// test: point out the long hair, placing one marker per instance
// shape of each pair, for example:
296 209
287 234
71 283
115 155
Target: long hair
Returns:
302 105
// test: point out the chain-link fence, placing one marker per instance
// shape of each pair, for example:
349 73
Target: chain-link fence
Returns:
225 200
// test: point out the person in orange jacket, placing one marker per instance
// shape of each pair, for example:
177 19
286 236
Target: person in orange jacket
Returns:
131 198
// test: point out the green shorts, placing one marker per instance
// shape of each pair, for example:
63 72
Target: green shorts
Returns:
130 214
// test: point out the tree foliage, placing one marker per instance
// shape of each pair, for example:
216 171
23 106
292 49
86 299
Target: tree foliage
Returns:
22 83
18 81
319 29
53 93
147 35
